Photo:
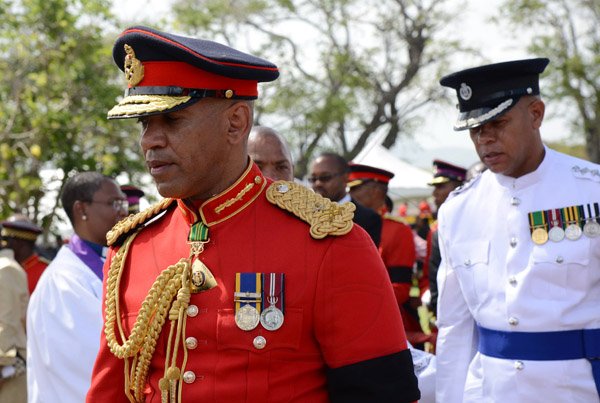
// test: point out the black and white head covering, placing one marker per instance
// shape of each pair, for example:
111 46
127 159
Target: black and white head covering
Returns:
486 92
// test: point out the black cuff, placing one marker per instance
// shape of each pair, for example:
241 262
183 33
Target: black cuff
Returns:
390 378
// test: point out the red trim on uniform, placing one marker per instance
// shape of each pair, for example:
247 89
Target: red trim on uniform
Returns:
181 74
369 175
198 54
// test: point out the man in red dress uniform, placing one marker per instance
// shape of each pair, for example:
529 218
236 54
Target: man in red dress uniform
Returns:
235 288
369 185
20 235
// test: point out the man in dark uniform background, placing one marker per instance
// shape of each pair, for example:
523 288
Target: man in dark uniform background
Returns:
446 178
329 177
235 288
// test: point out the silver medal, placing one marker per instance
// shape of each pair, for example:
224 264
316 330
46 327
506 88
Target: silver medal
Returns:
556 234
271 318
247 317
573 232
591 229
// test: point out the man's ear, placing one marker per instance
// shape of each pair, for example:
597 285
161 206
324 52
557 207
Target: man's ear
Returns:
536 110
239 117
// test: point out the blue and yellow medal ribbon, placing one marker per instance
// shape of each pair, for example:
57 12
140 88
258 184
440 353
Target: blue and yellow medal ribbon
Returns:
248 290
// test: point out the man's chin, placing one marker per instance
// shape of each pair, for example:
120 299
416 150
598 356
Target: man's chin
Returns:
168 190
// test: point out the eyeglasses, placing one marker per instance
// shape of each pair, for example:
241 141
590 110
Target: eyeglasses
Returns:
323 178
116 204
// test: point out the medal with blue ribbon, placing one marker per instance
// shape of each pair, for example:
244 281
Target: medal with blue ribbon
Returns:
247 300
591 228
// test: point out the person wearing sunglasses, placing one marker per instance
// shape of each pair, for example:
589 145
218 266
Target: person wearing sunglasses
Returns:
64 318
329 177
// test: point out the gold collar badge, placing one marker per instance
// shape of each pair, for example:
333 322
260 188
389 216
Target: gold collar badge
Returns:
134 70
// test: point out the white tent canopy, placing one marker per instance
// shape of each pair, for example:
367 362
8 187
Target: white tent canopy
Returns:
408 181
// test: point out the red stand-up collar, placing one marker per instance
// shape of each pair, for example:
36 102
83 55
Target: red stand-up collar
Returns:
229 202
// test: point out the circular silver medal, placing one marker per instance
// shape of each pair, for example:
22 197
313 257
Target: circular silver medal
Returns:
573 232
247 317
591 229
271 318
556 234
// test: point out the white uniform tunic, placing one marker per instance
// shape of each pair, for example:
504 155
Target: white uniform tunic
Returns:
493 274
64 321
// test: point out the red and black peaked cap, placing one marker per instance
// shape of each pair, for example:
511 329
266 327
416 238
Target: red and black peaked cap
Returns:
167 72
360 173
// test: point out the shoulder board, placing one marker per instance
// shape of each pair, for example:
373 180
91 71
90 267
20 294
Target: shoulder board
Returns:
324 216
465 186
588 173
123 228
388 216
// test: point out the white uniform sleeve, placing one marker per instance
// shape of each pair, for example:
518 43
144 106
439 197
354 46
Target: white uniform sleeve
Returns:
457 339
64 323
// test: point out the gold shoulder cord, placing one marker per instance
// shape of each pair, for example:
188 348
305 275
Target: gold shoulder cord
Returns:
132 221
324 216
141 343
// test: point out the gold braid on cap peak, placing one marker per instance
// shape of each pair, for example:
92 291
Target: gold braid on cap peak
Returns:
118 233
324 216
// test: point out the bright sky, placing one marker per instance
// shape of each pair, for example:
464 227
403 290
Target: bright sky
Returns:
435 139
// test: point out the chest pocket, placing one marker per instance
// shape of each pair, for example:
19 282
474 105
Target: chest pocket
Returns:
560 269
266 355
470 262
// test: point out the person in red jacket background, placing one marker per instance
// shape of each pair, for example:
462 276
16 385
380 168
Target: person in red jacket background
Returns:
369 185
235 288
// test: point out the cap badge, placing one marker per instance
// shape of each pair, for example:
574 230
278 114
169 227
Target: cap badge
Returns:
134 70
465 92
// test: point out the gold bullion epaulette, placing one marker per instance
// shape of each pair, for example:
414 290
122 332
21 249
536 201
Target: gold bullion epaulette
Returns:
324 216
123 228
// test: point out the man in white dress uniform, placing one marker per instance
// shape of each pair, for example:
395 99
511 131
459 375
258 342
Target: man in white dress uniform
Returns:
519 302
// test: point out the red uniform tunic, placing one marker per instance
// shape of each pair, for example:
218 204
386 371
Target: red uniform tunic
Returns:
34 266
398 253
339 308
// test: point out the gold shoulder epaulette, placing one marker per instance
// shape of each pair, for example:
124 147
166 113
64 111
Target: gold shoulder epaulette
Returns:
391 217
324 216
119 232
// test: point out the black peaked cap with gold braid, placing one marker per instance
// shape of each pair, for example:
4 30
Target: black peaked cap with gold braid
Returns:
167 72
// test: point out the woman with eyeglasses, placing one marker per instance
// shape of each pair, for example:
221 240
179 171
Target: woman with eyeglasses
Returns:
64 318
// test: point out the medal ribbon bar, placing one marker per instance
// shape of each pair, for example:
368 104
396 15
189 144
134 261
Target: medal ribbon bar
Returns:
273 284
248 290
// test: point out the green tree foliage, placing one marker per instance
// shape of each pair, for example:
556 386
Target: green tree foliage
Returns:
350 69
566 31
57 83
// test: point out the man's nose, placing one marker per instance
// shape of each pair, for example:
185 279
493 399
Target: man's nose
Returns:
152 135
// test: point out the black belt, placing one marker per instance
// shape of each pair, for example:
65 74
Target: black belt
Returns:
401 274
